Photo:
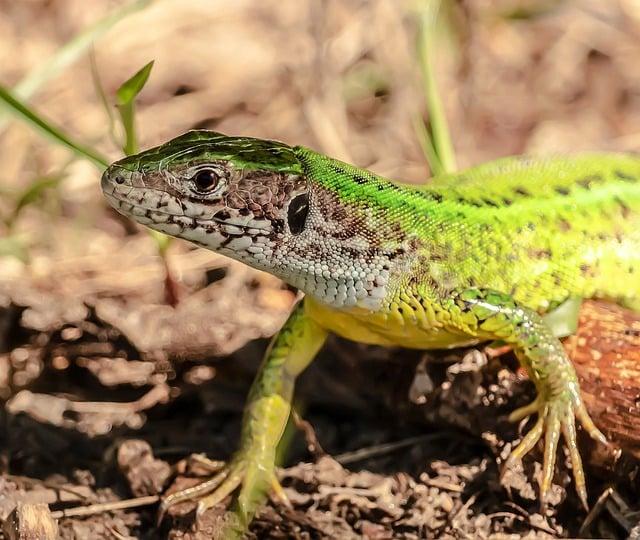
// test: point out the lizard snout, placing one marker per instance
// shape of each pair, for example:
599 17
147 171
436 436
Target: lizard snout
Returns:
118 177
114 176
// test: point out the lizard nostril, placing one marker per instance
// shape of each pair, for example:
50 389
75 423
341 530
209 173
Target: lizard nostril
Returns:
119 179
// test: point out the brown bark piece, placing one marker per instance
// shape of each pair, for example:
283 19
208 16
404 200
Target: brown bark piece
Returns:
606 354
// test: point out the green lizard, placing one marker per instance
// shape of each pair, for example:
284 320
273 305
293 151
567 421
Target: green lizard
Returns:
470 257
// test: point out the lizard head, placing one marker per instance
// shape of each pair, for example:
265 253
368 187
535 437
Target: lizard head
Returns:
235 195
287 210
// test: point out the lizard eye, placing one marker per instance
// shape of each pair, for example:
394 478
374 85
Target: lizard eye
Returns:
205 180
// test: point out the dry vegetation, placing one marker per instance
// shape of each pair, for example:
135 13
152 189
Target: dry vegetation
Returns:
94 361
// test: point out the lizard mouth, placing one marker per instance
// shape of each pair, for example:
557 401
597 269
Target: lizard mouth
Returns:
156 217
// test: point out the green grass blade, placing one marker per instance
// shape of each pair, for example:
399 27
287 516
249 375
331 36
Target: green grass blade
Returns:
127 115
440 137
130 89
429 151
21 111
31 194
126 99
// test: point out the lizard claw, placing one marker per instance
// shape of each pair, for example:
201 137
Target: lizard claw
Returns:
252 475
556 415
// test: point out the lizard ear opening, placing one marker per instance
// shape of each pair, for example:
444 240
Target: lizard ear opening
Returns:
297 213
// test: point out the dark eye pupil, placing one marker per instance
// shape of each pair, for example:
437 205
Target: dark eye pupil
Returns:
205 180
297 213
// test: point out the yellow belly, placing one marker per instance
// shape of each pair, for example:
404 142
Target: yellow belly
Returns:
384 328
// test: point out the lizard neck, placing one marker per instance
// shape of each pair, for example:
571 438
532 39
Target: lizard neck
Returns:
358 241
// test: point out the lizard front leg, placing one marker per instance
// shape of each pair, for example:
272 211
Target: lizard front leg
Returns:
492 315
252 468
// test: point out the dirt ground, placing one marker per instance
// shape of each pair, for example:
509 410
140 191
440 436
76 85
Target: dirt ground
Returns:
110 378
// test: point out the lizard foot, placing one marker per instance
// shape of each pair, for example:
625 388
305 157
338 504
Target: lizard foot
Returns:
252 475
556 414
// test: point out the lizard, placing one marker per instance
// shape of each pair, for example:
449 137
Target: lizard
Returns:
469 257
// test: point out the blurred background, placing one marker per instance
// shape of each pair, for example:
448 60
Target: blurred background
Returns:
110 336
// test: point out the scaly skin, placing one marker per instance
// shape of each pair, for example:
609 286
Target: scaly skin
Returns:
475 256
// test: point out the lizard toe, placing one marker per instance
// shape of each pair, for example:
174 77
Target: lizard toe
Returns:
557 416
231 482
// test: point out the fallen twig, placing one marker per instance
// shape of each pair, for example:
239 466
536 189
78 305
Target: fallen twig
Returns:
105 507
